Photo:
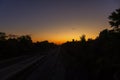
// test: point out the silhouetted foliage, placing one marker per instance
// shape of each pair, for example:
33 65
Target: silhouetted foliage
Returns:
82 38
100 57
44 45
2 36
115 19
13 45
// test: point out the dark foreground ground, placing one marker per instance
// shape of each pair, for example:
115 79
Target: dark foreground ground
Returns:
51 66
61 63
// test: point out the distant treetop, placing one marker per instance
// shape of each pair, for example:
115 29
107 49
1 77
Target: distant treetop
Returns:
115 19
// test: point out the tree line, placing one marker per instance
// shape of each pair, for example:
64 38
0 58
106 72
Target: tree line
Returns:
13 45
99 59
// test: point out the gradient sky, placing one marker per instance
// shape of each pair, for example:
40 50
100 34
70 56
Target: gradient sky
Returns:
56 20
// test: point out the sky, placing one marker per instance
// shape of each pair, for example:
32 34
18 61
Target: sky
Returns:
56 20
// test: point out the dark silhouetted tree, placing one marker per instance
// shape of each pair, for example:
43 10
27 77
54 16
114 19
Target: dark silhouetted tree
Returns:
2 36
25 39
82 38
25 43
104 34
115 19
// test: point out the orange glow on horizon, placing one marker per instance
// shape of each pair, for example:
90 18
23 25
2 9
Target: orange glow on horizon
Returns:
51 41
62 39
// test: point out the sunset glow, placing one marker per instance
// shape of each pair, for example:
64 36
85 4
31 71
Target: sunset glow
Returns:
55 21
